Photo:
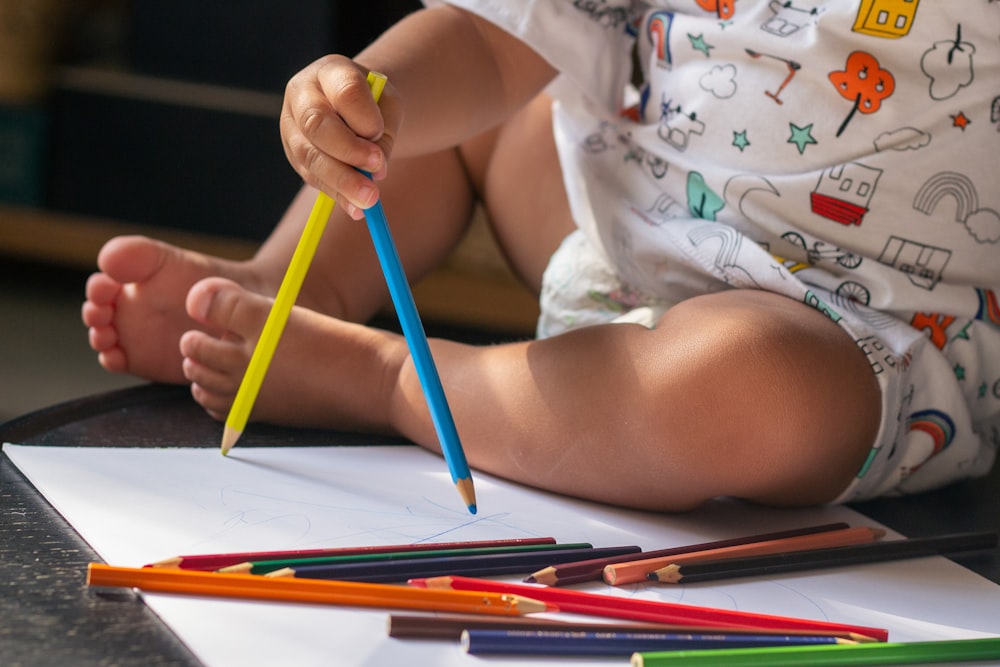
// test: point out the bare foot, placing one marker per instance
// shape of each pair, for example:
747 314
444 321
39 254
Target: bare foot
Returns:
134 307
325 372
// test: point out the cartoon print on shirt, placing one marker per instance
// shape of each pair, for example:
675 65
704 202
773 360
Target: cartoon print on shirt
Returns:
989 309
702 200
960 120
720 81
801 136
738 187
995 112
658 33
903 139
724 9
663 209
844 193
698 43
886 18
864 82
948 64
819 251
791 67
726 258
676 127
790 17
983 224
935 324
923 264
930 432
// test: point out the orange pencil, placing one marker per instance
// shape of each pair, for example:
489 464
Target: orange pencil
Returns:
630 572
353 594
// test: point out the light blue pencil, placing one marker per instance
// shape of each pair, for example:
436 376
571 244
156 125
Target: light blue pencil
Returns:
416 339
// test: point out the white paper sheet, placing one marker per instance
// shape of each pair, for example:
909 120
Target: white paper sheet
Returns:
137 505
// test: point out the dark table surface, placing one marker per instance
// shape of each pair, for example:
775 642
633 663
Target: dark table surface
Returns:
49 617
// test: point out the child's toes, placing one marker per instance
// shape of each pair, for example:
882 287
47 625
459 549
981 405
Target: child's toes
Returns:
223 305
101 289
218 363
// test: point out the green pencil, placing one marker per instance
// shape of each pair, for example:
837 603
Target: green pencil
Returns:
875 653
266 566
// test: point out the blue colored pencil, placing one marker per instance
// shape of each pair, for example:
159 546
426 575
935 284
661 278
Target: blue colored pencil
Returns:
624 644
416 340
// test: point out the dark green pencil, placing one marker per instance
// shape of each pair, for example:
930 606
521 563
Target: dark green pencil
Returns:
267 566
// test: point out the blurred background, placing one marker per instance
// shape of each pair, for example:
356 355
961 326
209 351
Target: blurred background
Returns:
160 117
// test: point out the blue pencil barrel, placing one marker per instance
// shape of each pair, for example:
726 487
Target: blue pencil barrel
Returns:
609 644
416 339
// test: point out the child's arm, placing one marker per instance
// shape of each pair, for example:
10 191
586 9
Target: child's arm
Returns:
451 75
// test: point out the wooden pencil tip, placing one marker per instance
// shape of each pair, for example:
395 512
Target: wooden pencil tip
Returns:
441 583
468 493
671 574
229 437
527 605
283 572
545 576
167 563
239 568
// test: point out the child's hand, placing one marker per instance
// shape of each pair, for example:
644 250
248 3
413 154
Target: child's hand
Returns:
330 124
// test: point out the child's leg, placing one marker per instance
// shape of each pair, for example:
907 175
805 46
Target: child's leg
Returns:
135 306
720 399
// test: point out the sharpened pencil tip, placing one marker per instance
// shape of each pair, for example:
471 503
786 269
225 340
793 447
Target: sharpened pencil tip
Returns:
468 493
229 437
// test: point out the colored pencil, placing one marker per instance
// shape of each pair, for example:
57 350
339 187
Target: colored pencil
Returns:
268 566
277 318
476 565
423 362
889 653
631 572
593 570
614 643
450 627
249 586
650 611
409 319
211 562
823 558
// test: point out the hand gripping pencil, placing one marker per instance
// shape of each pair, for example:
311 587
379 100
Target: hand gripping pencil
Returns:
402 299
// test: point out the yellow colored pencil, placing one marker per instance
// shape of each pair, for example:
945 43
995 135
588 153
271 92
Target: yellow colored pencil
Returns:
288 292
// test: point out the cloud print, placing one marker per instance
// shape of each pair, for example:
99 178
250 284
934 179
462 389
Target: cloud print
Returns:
903 139
720 81
984 225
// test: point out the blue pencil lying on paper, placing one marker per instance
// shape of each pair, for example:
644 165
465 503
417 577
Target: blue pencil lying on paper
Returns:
624 644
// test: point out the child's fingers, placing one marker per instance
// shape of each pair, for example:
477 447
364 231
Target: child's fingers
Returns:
326 107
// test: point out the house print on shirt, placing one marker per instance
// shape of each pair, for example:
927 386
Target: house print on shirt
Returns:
844 192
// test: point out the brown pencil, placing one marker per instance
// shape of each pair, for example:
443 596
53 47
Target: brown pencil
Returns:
592 570
450 627
635 571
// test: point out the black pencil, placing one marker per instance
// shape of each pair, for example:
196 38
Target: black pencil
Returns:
823 558
473 566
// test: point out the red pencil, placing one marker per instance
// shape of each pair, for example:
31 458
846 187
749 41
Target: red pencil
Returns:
649 611
212 562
